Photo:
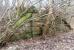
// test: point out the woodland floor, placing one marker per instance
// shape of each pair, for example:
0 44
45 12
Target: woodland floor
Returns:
62 41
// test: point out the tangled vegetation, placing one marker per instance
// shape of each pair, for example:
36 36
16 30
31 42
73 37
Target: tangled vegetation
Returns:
29 22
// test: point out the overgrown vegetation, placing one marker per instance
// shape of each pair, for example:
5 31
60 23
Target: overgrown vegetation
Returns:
28 22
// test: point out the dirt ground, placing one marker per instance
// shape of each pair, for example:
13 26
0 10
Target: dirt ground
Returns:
62 41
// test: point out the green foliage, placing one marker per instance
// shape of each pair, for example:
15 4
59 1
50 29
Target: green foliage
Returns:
21 11
26 35
22 19
32 9
24 15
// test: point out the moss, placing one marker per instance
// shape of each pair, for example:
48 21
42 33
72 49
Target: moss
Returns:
25 35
